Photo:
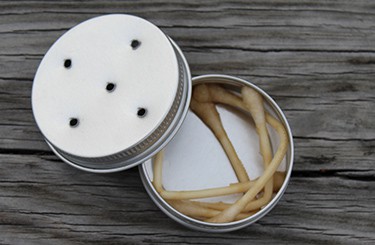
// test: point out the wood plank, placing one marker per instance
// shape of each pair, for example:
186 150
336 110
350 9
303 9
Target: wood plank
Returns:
288 25
319 88
45 200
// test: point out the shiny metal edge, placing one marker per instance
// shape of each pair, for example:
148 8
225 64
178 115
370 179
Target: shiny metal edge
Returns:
231 226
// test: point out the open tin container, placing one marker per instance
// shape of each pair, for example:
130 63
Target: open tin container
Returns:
114 90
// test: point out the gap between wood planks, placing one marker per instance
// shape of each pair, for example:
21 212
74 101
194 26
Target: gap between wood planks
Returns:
347 173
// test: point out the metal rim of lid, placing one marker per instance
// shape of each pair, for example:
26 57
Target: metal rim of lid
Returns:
231 226
163 136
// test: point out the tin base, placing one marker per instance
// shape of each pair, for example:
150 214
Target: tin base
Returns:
195 160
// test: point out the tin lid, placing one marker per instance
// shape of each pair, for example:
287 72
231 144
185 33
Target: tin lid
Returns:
110 93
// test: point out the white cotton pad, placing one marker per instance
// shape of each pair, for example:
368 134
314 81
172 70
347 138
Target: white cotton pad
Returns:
195 160
105 85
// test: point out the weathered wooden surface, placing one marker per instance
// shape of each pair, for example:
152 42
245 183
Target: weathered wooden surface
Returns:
316 58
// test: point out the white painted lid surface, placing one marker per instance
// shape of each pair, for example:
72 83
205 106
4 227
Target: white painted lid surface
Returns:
100 52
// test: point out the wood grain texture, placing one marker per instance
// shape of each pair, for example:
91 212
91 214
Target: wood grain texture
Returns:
315 58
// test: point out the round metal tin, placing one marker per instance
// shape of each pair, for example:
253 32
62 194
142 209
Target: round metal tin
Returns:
108 47
234 84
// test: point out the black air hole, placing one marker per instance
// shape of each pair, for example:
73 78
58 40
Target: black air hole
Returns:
68 63
110 87
135 44
141 112
73 122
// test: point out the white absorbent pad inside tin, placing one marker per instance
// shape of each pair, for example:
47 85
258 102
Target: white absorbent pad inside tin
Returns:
195 160
71 83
